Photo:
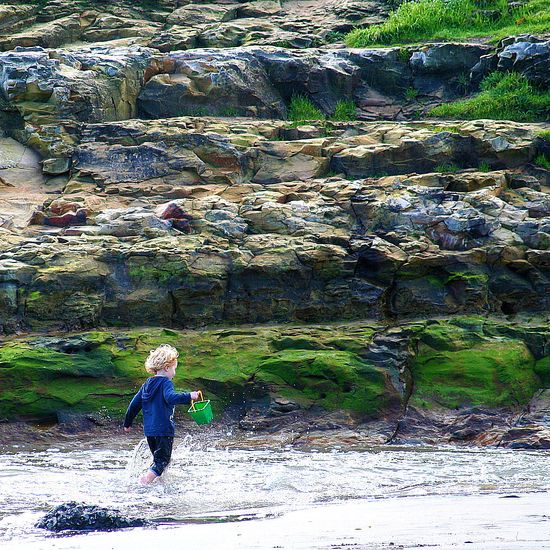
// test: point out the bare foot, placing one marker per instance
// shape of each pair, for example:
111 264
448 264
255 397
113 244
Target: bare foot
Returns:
148 477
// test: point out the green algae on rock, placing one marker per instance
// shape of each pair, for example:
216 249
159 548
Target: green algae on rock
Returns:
39 381
474 361
100 371
355 367
492 374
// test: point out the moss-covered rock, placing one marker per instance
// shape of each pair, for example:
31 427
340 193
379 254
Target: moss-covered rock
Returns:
332 379
311 365
542 369
367 369
39 381
469 361
474 370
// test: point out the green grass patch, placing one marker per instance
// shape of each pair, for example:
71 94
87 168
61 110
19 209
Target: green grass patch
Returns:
463 82
404 55
544 134
301 109
411 94
344 111
447 168
420 20
542 161
229 112
334 36
503 96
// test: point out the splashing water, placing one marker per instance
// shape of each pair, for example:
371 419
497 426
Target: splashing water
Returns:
141 460
205 484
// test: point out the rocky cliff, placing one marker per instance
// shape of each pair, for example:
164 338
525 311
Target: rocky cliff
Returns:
150 176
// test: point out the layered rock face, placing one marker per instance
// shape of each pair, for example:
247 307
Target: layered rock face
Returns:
169 25
149 177
186 221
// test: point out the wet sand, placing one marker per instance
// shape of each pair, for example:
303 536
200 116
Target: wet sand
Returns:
490 522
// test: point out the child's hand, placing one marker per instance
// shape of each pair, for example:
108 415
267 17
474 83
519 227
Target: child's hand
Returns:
127 430
195 395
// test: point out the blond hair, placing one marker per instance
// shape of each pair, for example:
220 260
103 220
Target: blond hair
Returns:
160 358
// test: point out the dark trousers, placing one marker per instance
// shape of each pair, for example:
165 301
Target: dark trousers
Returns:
161 447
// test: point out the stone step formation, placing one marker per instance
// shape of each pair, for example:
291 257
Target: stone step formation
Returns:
150 176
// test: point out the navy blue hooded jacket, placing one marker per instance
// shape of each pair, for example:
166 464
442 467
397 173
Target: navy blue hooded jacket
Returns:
157 398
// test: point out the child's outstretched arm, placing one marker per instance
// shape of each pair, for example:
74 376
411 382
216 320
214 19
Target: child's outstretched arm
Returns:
133 409
172 397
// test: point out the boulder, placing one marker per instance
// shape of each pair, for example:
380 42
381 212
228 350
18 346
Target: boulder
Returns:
47 35
110 27
66 219
525 54
13 17
242 32
72 516
324 76
443 70
529 56
198 14
211 82
176 215
131 221
175 38
89 84
448 58
55 166
194 157
527 437
263 8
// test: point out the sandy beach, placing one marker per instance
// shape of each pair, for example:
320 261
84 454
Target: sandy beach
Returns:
475 522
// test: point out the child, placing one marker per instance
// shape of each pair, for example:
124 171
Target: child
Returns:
158 398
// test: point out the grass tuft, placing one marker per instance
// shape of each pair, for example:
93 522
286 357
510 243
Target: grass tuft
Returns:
503 96
411 94
344 111
301 108
542 161
448 168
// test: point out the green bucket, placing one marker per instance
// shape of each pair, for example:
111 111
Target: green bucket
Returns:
201 411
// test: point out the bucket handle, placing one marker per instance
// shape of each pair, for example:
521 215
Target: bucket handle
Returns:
200 399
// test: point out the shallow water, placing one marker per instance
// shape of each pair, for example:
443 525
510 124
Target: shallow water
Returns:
207 484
